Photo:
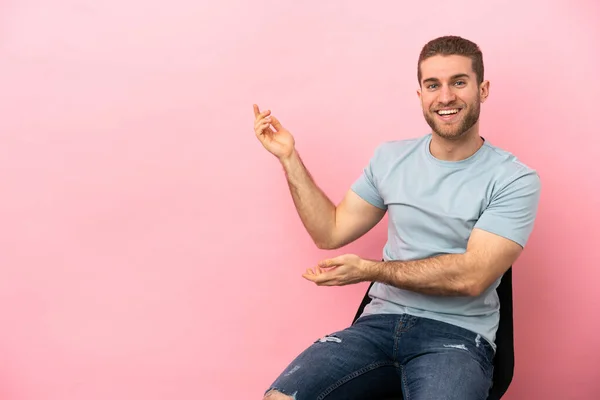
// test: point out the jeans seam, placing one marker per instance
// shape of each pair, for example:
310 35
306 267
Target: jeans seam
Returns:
405 392
353 375
397 337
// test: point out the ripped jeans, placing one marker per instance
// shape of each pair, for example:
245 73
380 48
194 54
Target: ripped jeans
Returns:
391 356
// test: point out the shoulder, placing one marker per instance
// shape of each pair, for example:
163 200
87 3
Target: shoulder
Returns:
510 171
393 150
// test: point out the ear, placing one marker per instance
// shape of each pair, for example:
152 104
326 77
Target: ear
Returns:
484 90
419 93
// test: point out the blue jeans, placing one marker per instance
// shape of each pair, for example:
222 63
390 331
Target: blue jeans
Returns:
388 355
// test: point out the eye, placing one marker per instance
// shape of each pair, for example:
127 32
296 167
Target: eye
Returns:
459 83
432 86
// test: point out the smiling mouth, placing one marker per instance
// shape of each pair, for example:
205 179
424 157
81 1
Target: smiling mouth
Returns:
448 112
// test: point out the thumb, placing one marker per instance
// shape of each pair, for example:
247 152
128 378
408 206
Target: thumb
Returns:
256 110
332 262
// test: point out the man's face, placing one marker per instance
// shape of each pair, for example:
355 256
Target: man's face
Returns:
450 95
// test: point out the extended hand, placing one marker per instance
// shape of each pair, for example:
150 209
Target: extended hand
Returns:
339 271
273 136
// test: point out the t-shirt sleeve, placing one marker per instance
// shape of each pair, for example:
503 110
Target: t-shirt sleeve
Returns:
512 211
366 184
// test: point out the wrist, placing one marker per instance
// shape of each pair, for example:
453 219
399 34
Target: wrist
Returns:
287 161
369 270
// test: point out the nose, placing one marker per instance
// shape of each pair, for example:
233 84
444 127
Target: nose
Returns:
446 95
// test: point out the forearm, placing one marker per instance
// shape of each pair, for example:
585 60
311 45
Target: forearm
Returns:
445 275
315 209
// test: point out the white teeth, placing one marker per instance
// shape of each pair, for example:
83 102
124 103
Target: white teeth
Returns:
447 112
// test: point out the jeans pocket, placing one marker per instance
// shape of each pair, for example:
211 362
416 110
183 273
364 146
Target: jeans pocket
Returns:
485 356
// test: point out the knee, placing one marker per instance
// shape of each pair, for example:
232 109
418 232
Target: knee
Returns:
275 395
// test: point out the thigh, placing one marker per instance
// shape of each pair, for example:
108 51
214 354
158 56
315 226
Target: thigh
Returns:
355 363
446 363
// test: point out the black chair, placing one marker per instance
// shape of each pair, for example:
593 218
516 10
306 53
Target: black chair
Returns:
504 360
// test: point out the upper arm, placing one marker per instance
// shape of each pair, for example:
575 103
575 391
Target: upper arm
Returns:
503 229
362 207
490 256
353 218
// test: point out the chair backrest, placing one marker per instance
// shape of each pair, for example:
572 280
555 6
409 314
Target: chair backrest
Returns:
504 360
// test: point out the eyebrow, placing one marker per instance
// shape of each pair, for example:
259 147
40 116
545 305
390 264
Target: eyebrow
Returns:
453 77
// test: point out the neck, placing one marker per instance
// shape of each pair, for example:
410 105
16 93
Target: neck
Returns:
456 149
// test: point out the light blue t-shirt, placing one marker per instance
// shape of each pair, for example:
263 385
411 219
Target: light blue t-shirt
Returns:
433 206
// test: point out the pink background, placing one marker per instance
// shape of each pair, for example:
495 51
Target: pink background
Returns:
149 247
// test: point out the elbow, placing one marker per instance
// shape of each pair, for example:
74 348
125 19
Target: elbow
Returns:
326 245
327 242
322 245
473 289
467 287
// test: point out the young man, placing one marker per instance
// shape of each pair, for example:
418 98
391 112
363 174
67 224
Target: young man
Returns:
460 213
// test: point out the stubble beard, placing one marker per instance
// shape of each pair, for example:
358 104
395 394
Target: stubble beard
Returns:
456 130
